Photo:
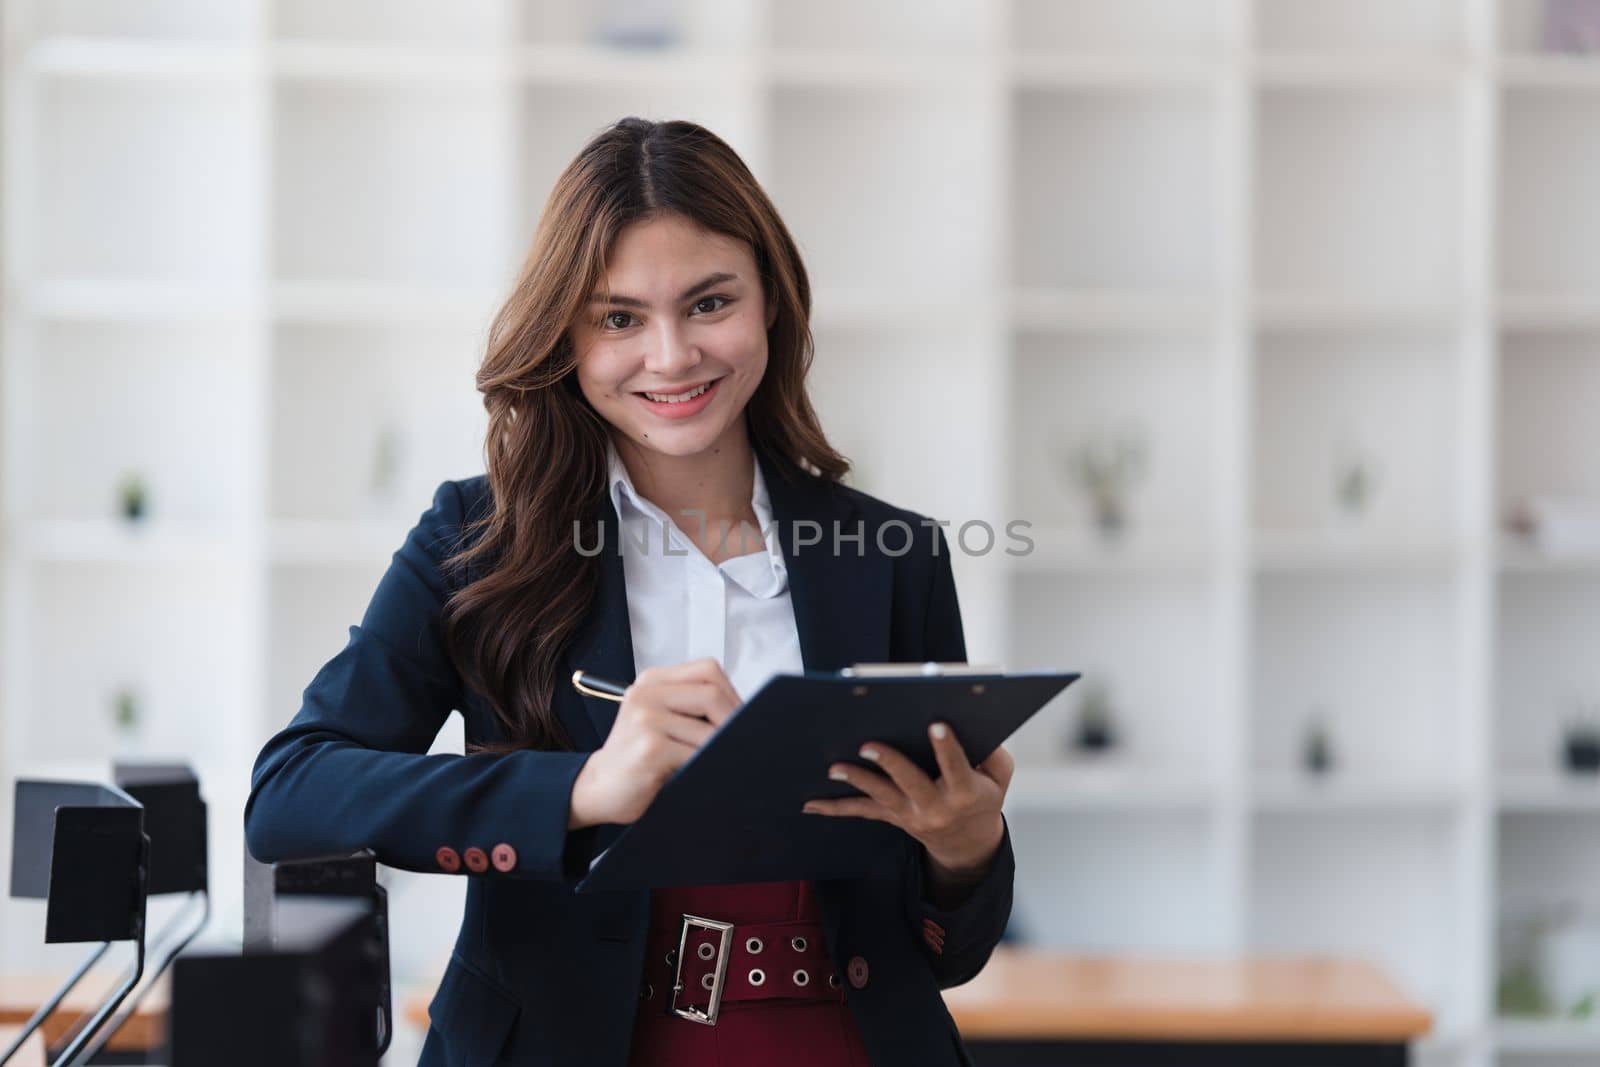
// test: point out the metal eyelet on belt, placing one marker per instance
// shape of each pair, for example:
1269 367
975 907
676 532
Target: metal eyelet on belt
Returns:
801 978
757 976
799 944
707 981
833 981
706 950
754 945
672 956
647 992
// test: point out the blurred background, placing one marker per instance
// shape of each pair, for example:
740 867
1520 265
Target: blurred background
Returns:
1278 319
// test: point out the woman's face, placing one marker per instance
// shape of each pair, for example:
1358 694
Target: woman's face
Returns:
685 311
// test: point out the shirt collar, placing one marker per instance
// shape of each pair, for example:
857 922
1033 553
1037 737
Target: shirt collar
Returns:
762 577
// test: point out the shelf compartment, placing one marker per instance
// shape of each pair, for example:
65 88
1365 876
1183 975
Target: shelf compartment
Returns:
1415 29
1119 190
1547 871
96 627
482 23
839 164
1359 194
397 184
1378 886
1549 439
1151 641
1148 28
216 20
311 609
399 400
135 181
913 460
1330 405
1156 393
109 399
891 26
1549 166
1545 673
1389 697
1137 881
1526 31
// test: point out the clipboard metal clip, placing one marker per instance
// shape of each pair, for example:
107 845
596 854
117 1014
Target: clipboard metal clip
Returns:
916 670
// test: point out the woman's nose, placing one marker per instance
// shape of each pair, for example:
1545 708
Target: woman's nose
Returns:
670 352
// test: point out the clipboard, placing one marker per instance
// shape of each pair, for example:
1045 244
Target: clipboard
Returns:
732 813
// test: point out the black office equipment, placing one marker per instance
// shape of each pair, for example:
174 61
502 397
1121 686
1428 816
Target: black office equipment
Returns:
304 1002
81 847
273 920
732 813
175 823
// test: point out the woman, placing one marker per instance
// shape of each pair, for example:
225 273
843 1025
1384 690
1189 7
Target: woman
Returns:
661 507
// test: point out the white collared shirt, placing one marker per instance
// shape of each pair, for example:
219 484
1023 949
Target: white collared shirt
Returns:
681 606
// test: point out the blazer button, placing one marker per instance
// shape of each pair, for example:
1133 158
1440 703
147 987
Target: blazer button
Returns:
476 860
447 859
857 970
504 857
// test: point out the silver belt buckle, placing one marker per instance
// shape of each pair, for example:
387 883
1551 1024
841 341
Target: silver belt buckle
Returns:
695 1015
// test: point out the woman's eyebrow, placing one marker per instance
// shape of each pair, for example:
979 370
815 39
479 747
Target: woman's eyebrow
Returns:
698 287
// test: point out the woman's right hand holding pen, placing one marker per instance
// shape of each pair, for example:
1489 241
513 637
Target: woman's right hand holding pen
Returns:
664 717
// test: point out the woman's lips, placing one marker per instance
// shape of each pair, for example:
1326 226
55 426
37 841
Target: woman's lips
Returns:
682 409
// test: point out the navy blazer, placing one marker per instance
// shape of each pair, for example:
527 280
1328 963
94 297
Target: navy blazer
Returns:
540 974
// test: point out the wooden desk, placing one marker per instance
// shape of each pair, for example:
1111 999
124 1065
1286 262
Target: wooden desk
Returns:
1030 1008
31 1054
21 995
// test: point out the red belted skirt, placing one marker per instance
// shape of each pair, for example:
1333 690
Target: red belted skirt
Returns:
755 974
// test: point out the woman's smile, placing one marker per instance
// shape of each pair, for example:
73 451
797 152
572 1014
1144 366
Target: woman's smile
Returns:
681 403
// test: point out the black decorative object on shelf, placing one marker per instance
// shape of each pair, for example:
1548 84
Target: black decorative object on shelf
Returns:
1096 727
1317 753
81 847
1581 748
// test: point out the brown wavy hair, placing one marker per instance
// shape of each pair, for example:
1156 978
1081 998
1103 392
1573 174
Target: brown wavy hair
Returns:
545 450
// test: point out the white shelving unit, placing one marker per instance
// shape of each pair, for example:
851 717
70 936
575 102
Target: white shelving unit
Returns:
244 240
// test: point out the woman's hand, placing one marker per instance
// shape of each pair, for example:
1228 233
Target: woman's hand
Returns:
956 818
665 715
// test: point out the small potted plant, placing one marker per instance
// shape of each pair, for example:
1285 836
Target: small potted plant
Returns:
1106 467
126 717
134 496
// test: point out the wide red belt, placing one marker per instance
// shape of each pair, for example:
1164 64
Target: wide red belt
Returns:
705 963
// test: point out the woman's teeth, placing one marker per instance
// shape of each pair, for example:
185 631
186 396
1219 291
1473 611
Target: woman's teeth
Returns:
677 398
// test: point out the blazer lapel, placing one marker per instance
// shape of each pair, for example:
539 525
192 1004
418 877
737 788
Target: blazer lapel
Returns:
603 645
840 598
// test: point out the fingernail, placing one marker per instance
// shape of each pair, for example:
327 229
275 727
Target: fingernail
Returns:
838 776
939 731
809 809
869 753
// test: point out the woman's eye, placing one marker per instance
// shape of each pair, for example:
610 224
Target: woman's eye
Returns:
704 299
615 315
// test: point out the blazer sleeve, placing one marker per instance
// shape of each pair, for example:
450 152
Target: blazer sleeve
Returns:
956 941
351 769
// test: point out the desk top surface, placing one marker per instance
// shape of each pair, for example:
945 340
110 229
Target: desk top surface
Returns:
1032 994
21 995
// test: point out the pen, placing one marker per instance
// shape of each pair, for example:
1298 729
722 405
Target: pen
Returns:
595 686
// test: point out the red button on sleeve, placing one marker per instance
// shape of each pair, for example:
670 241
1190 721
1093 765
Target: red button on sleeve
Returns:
447 859
476 859
504 857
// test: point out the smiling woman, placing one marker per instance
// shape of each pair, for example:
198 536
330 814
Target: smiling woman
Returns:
648 366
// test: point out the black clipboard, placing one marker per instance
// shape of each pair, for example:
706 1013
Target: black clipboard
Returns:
732 813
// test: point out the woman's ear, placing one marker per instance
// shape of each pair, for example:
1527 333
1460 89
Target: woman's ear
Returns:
772 312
